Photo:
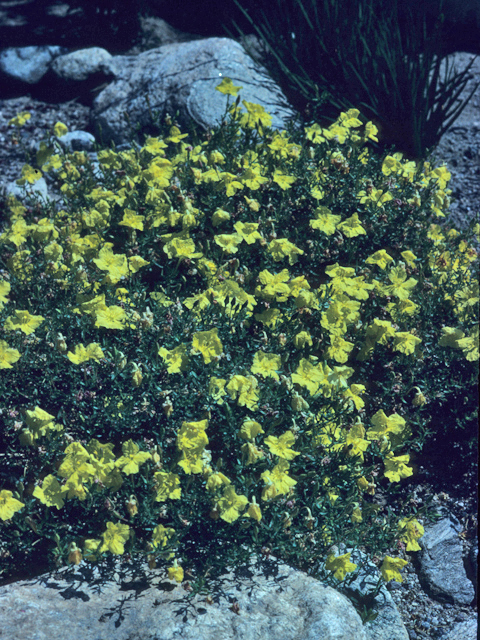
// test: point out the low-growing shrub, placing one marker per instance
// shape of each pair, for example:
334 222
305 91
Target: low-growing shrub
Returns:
225 346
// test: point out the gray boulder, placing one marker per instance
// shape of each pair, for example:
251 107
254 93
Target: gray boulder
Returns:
183 77
267 601
27 64
442 571
467 630
155 32
38 188
77 141
79 65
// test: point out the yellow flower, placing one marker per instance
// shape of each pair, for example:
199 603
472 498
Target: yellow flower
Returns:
283 248
167 486
390 568
161 535
256 115
175 572
113 317
8 505
411 530
176 359
29 174
325 221
356 442
301 339
208 344
115 264
220 216
283 181
380 258
405 342
23 321
132 220
384 425
250 429
248 231
227 87
470 346
251 453
20 119
216 388
396 467
132 458
231 504
4 291
314 134
192 440
277 481
340 565
228 242
115 537
8 356
281 446
351 227
409 258
217 480
266 365
51 493
244 390
93 351
60 129
181 248
253 511
400 286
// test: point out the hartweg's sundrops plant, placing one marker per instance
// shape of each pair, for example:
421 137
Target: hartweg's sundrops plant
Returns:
224 347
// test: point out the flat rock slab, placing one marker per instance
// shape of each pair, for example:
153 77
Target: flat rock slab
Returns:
271 604
442 571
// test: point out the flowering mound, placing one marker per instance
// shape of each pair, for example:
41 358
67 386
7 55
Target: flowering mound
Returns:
224 347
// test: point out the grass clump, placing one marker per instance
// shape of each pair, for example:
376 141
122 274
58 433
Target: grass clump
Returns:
328 59
227 346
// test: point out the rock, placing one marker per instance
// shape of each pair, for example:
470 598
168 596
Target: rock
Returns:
155 32
22 192
22 67
27 64
473 561
80 65
442 572
76 75
77 141
464 631
257 603
183 76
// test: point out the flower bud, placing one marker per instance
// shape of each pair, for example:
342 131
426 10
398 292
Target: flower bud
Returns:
419 400
188 221
298 403
309 520
60 343
74 554
146 319
254 511
287 521
132 506
137 378
167 408
220 216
